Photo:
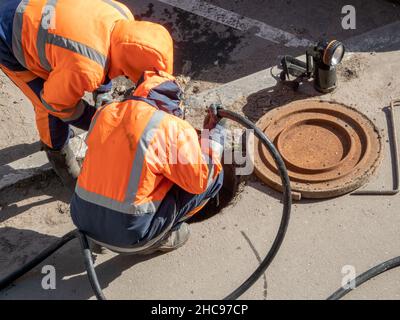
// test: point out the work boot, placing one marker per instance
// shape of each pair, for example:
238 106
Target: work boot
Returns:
96 248
64 164
176 238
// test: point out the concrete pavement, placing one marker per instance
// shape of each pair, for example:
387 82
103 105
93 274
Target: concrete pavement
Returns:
323 236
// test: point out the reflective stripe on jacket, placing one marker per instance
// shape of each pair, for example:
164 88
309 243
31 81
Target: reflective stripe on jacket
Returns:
65 42
136 153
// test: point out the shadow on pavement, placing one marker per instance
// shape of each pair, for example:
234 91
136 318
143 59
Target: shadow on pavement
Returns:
16 152
19 246
259 103
46 184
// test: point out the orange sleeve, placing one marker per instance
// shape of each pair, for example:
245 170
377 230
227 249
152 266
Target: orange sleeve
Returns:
63 91
188 166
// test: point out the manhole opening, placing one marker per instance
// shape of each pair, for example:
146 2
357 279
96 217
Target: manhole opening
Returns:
227 195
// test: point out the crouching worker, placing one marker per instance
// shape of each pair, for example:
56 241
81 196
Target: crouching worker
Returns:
146 171
56 50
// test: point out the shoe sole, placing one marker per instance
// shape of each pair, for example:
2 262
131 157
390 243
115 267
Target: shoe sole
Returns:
166 250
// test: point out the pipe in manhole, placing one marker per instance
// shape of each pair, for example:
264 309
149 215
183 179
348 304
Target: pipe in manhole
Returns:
330 149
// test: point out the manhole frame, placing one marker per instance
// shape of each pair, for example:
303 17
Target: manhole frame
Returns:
328 192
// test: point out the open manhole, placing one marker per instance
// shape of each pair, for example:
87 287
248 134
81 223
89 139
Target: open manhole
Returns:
329 149
227 195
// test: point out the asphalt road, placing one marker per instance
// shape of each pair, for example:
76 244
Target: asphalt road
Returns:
218 52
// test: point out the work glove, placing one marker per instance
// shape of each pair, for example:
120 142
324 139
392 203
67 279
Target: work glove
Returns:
103 95
215 125
103 98
212 118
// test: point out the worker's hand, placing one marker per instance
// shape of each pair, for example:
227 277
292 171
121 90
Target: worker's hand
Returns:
103 95
102 98
212 119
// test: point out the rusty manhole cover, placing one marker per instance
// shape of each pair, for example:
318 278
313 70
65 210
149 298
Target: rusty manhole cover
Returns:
329 149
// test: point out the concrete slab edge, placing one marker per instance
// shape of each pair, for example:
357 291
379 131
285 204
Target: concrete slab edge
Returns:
35 165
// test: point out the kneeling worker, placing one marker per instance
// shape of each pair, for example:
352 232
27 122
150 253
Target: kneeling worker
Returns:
146 171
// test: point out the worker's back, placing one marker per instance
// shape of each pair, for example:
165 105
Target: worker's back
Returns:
7 58
39 33
75 47
136 153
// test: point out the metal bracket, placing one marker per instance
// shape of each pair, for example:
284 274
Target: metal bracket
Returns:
395 158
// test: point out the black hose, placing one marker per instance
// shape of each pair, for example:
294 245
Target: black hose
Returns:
91 273
8 280
87 255
368 275
287 201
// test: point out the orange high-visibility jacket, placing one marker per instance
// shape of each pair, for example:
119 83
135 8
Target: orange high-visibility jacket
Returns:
136 153
72 43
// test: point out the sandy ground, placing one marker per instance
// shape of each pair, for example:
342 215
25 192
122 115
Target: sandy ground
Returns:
18 136
224 249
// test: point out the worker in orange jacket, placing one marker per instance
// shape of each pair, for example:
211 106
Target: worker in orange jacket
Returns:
146 170
56 50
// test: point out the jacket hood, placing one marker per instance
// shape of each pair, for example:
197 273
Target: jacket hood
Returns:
139 46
